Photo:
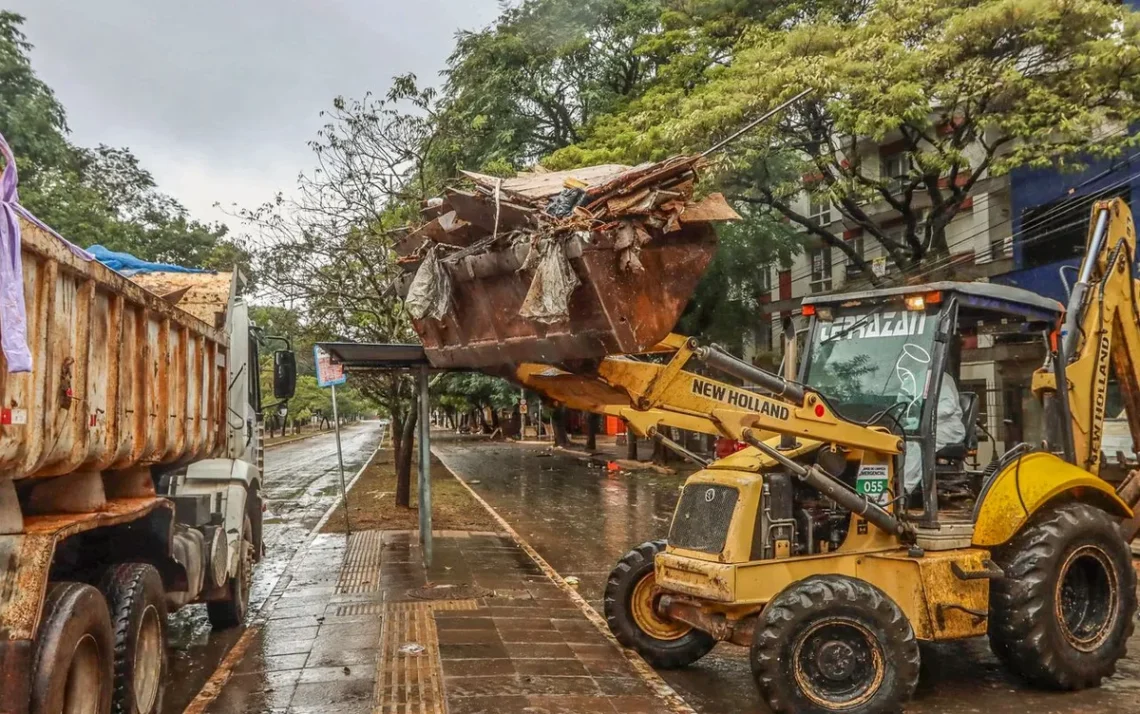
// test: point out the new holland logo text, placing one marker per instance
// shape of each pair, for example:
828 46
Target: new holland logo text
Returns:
741 399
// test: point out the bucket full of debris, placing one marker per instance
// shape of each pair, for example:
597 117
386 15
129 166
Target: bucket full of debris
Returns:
559 267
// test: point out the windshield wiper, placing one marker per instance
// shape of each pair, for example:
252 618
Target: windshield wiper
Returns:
858 323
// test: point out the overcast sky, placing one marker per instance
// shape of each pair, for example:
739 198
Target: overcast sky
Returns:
218 97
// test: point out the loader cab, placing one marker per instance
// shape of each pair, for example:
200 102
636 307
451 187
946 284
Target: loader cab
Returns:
892 358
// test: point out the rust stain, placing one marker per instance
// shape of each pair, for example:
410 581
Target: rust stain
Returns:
107 355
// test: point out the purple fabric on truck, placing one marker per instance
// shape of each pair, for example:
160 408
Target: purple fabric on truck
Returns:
13 313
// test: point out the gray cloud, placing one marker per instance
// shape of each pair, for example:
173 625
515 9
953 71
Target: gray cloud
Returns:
218 98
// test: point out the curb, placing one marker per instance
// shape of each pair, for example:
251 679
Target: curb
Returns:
213 686
653 680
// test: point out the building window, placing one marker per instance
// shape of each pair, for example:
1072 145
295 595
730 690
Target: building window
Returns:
819 210
895 169
821 269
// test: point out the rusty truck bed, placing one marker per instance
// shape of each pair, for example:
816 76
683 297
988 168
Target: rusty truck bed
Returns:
121 377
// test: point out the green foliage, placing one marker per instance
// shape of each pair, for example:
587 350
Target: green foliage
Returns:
968 88
464 391
91 196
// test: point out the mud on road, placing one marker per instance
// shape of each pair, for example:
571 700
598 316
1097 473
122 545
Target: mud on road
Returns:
582 519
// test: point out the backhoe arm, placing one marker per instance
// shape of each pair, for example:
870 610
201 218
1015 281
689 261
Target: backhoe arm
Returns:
650 395
1101 332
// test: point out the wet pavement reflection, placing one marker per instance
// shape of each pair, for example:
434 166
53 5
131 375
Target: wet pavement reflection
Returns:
582 518
301 482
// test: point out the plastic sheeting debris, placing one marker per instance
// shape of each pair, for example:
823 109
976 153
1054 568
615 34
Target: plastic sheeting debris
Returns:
430 292
548 299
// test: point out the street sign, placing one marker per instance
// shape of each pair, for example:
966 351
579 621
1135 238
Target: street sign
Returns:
522 407
328 372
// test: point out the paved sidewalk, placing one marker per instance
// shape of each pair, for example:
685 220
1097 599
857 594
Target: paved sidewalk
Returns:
364 627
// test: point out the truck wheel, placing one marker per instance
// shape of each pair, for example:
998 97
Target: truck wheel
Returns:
631 611
1062 616
830 643
135 595
74 653
231 611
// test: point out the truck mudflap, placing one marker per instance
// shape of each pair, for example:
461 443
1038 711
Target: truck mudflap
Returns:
555 268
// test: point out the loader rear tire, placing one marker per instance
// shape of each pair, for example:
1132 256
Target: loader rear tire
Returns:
137 601
72 671
831 643
630 609
1062 615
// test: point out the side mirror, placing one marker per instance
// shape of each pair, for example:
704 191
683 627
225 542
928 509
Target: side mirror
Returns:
284 374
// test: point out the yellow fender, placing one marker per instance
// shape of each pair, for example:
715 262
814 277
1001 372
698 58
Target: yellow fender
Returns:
1039 477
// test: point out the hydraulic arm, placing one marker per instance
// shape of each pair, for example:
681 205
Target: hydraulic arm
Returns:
1101 331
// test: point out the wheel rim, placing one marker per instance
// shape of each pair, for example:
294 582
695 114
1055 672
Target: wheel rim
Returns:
1086 598
148 660
643 605
838 663
84 688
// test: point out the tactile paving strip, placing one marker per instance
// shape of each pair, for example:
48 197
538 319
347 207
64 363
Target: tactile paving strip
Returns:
361 570
409 675
433 605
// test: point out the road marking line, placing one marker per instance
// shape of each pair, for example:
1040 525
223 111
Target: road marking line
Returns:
218 678
653 680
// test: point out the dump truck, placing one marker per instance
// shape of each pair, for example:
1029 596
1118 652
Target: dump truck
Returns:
853 527
130 474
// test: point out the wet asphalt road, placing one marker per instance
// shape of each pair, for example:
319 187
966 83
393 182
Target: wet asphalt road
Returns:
301 482
582 519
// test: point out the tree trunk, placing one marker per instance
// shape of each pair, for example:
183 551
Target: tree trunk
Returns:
630 444
558 423
403 446
591 432
494 418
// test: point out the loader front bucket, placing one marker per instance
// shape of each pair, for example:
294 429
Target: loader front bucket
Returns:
610 275
611 312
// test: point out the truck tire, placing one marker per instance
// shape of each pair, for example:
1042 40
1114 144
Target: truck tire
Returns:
630 609
135 594
1062 615
830 643
72 671
231 612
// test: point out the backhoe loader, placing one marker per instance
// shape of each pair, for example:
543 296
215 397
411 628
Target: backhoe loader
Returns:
849 532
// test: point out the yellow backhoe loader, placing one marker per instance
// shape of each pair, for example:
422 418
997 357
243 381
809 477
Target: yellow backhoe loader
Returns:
852 529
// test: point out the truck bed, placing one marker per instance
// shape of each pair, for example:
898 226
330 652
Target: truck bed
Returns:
121 377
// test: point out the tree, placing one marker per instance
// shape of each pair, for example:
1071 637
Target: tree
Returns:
528 85
90 196
31 118
968 89
330 252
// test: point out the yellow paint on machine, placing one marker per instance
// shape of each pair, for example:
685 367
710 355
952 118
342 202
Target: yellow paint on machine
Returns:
1031 482
939 605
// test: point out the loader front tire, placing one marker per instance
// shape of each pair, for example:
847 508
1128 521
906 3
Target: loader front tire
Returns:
831 643
1062 615
631 612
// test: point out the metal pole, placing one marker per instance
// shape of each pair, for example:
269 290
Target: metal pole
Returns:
425 466
756 122
1073 316
340 464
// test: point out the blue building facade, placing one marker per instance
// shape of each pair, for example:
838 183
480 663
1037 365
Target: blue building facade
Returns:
1050 212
